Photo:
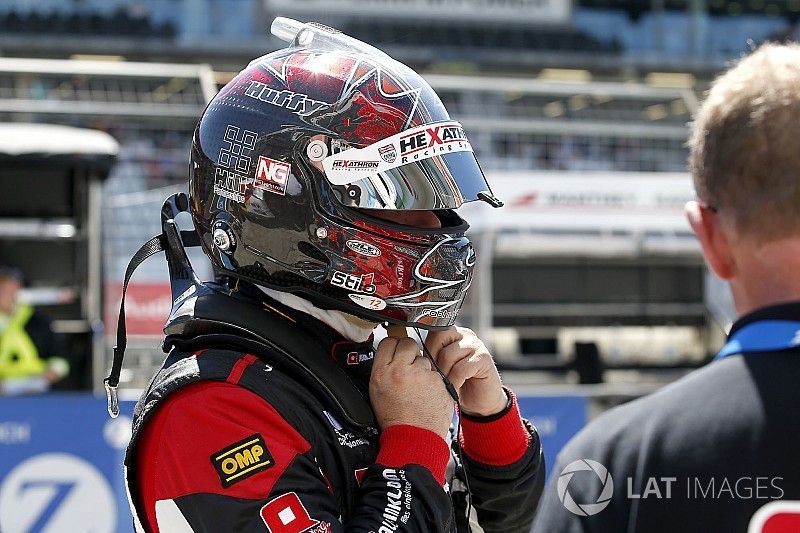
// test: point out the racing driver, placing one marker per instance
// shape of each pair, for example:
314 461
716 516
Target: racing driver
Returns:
324 180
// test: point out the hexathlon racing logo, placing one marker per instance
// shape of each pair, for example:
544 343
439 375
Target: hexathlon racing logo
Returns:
603 477
426 142
411 145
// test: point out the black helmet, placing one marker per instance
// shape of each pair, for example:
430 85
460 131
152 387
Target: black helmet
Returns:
292 156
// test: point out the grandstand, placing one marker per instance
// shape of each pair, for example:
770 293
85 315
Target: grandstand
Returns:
612 38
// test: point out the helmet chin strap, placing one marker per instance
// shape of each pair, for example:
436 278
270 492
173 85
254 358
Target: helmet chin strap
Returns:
349 326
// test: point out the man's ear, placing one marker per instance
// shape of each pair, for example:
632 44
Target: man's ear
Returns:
715 243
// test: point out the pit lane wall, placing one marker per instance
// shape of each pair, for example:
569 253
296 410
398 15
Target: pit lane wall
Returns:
61 459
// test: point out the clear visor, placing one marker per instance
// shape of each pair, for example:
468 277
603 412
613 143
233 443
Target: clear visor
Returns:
428 167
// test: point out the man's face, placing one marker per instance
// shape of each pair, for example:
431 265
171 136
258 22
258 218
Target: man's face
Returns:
9 291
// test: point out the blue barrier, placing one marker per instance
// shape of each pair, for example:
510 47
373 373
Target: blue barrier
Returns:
60 465
61 459
557 418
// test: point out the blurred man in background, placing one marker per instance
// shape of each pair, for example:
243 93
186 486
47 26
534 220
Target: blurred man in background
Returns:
712 448
30 353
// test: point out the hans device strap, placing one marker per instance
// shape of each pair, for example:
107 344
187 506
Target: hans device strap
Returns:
763 336
170 241
202 317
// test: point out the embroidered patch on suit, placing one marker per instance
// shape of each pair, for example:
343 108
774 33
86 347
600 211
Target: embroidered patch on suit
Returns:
242 459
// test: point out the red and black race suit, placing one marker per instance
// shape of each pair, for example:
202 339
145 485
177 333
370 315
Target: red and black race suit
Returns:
225 442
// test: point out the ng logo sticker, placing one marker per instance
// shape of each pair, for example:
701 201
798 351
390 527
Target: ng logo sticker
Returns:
241 460
271 175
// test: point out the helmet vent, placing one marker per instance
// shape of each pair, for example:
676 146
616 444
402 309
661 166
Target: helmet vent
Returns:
322 27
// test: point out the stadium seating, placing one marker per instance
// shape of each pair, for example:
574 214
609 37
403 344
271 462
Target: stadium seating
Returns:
120 23
463 37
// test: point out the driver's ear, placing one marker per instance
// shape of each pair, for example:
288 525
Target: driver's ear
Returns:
714 240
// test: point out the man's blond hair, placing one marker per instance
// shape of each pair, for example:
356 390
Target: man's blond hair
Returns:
745 144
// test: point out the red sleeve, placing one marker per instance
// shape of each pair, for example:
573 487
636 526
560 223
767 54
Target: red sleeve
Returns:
495 441
402 445
174 454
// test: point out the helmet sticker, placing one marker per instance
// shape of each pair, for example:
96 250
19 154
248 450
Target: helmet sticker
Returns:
400 271
231 185
368 302
344 164
295 102
363 248
434 139
230 179
236 147
415 144
388 153
272 175
408 251
362 283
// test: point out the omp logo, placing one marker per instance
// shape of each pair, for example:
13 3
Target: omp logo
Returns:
585 509
430 137
355 165
241 460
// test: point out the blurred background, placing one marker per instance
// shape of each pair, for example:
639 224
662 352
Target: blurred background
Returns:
590 288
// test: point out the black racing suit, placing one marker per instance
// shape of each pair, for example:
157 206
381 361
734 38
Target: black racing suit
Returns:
228 439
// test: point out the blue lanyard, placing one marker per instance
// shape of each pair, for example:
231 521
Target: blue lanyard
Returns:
763 336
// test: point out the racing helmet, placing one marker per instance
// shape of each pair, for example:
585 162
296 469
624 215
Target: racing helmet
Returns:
293 158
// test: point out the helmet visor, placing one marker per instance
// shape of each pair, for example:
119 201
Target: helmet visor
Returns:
428 167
